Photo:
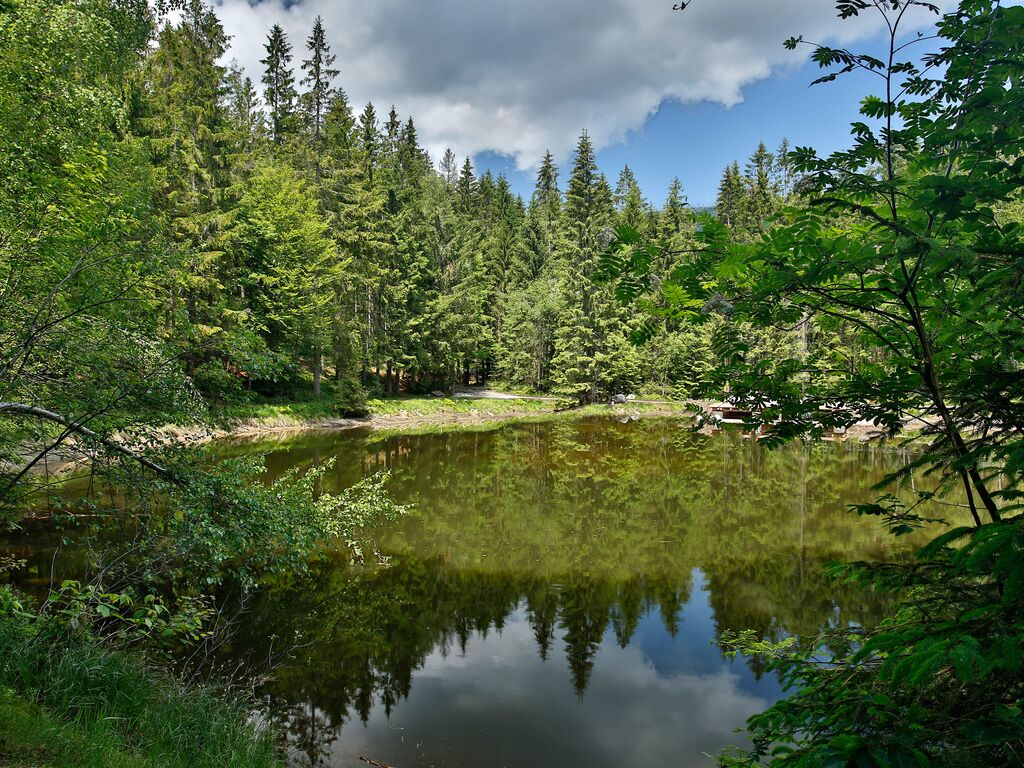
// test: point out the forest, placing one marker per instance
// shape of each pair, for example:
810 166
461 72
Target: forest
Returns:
177 240
303 237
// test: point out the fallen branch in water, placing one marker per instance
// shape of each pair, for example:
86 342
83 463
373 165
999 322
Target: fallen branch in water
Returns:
374 763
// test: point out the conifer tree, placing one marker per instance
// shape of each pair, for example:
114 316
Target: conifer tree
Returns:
185 116
784 169
588 319
675 214
449 168
633 210
369 137
543 225
279 85
762 195
466 187
392 131
317 98
731 196
293 264
244 106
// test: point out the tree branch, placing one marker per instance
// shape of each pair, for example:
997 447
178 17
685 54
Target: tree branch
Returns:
21 409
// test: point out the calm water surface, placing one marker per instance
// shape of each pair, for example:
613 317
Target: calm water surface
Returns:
555 596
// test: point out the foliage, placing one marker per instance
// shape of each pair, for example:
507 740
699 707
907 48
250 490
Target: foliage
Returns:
894 248
120 707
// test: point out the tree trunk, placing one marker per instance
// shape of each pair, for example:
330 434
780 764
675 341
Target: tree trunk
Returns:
318 365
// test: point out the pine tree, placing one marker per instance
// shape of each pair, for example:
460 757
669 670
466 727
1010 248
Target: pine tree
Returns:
633 210
316 100
588 320
279 82
244 106
449 168
731 196
184 114
762 194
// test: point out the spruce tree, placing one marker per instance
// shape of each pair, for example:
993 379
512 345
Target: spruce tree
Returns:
466 187
762 195
449 168
633 210
184 114
244 106
369 138
731 196
316 100
588 319
524 355
294 267
675 214
784 169
279 85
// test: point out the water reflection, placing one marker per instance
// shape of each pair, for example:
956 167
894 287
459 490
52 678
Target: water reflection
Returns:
556 596
500 700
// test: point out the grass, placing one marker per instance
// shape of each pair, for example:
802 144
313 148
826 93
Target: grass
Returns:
66 700
282 412
290 412
31 738
433 406
267 410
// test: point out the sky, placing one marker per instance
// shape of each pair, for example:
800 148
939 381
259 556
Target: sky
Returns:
668 92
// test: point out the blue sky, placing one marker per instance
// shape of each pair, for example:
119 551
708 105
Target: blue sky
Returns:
696 141
670 93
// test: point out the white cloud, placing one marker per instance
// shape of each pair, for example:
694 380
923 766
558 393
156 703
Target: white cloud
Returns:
522 76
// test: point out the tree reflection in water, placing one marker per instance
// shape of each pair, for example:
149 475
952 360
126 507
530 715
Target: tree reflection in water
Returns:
590 542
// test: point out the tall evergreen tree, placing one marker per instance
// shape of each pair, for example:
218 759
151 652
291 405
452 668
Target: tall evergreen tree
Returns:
244 106
449 168
185 115
731 196
675 214
320 74
319 94
279 85
762 194
369 137
784 169
588 320
292 262
633 210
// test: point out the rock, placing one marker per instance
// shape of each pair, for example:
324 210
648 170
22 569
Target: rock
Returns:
631 397
619 399
438 393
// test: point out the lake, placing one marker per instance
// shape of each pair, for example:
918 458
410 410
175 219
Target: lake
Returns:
555 595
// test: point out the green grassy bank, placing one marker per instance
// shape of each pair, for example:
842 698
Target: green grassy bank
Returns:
68 701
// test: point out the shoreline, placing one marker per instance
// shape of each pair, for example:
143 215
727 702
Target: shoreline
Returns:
414 419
